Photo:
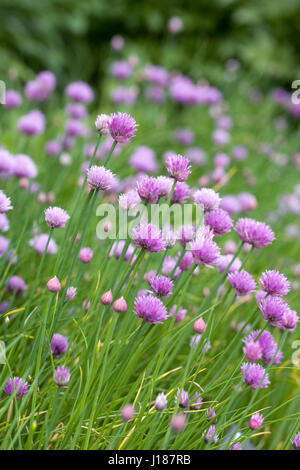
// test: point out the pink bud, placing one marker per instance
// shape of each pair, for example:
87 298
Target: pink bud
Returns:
86 305
53 285
120 305
42 198
199 326
24 183
127 412
178 422
107 298
107 226
85 255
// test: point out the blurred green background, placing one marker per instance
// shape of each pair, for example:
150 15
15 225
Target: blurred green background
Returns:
71 37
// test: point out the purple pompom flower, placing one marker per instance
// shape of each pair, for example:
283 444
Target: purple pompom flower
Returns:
80 92
274 283
39 243
13 99
71 293
85 255
185 234
61 376
254 374
256 421
148 189
242 282
180 313
186 261
225 260
100 178
165 186
160 402
150 308
101 124
56 217
24 167
180 193
4 223
183 397
273 309
266 350
15 284
289 321
122 127
32 123
219 221
4 244
253 351
205 251
59 345
143 159
208 199
178 167
161 286
5 204
255 233
296 441
149 237
127 412
16 384
178 422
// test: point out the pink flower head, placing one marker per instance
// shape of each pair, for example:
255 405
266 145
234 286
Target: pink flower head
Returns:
179 311
61 376
274 283
100 178
80 92
183 397
242 282
210 436
150 308
5 204
32 123
219 221
165 185
54 285
254 374
121 69
205 251
127 412
256 421
296 441
59 345
178 167
289 320
149 237
148 189
101 123
185 234
161 286
180 193
85 255
178 422
122 127
255 233
207 198
247 202
16 384
273 309
56 217
71 293
186 261
160 402
24 167
39 243
143 159
13 99
120 305
15 284
225 260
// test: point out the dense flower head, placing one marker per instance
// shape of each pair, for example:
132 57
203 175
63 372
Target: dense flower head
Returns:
4 222
13 99
253 232
182 397
161 286
264 347
247 202
178 167
121 69
219 221
39 243
122 127
61 376
225 260
207 198
24 167
296 441
59 345
289 320
179 311
185 234
4 244
274 283
156 74
85 254
256 421
148 189
181 193
6 163
178 422
165 185
210 436
242 282
129 200
99 178
56 217
143 159
5 204
71 293
254 374
16 384
160 402
80 92
205 251
32 123
186 261
230 204
76 110
127 412
150 308
53 285
149 237
15 284
101 123
272 309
